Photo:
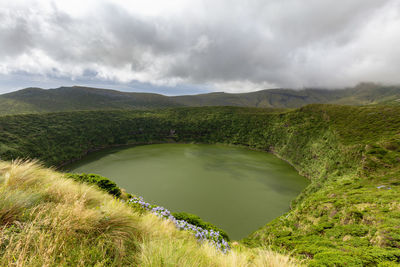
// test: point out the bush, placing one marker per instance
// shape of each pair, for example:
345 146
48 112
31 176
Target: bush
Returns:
102 182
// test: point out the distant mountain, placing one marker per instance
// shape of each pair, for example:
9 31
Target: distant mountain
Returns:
78 98
363 94
36 100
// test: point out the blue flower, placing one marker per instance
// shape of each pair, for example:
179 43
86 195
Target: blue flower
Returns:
213 237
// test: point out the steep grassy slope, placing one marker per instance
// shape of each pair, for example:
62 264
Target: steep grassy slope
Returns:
348 214
35 100
48 220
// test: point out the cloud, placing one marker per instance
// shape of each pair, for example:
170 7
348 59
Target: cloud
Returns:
224 45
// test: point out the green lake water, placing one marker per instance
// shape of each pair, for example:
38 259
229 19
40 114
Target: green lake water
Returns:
234 188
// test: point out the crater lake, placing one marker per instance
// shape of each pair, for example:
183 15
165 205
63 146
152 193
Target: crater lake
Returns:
237 189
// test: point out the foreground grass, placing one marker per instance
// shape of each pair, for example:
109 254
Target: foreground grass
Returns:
48 220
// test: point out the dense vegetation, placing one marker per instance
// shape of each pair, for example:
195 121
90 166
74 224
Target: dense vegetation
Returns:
350 213
36 100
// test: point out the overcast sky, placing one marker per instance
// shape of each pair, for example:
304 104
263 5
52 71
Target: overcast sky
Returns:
185 47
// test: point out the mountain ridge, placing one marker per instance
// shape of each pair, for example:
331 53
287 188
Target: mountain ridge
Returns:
37 100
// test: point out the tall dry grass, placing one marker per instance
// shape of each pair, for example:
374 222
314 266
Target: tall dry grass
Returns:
48 220
165 246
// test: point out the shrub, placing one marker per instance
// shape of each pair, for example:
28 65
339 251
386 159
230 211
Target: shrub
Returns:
102 182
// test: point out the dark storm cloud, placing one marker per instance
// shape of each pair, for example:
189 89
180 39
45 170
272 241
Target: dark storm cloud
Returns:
233 45
15 38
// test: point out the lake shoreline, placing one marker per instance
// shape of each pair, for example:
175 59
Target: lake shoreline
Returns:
89 152
209 177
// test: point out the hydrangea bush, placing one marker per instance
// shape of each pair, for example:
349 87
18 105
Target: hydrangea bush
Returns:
214 237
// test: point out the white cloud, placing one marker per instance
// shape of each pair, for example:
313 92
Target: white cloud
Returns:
242 86
234 46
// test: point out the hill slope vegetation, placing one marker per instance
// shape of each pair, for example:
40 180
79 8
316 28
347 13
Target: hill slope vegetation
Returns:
347 216
36 100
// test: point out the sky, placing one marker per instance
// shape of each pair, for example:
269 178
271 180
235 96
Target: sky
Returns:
185 47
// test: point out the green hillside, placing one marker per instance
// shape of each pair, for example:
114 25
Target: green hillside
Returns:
349 214
36 100
272 98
